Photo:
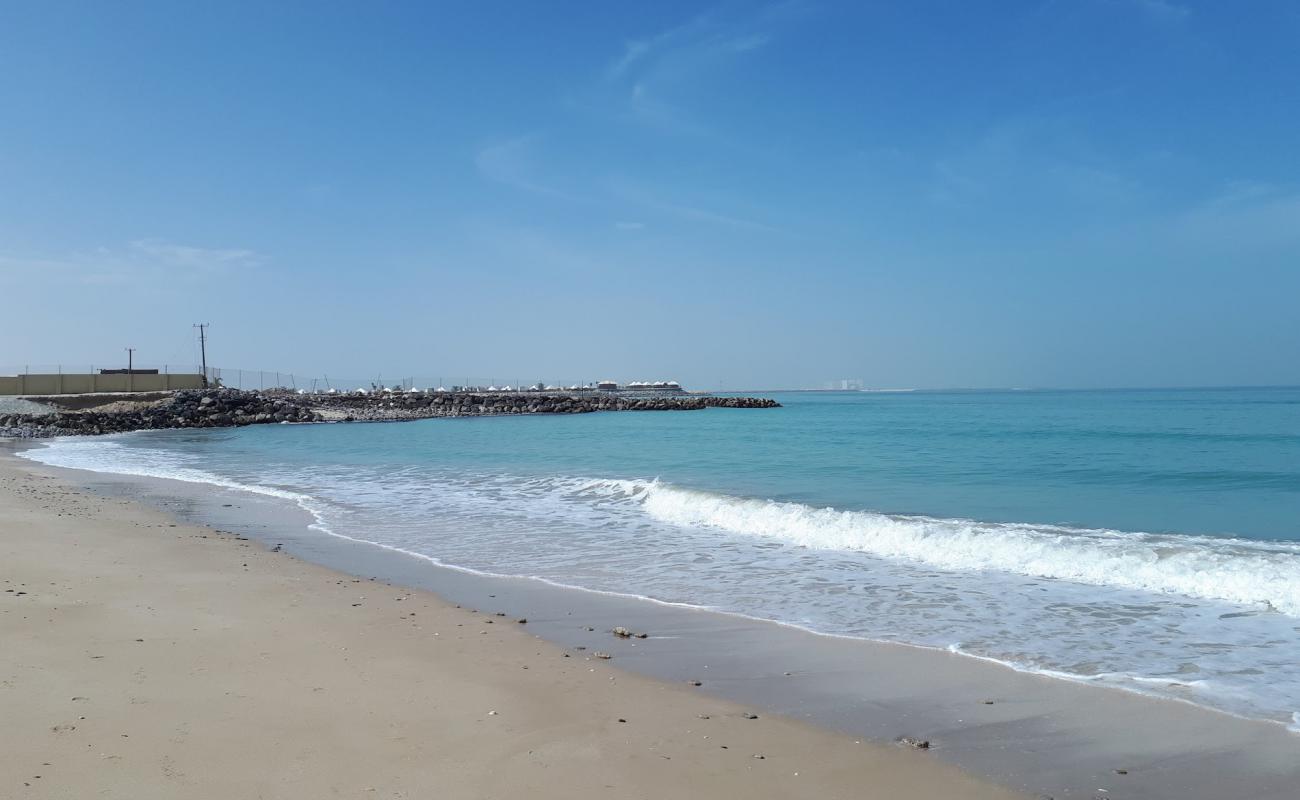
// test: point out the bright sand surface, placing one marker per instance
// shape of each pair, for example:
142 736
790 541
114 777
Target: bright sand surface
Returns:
146 658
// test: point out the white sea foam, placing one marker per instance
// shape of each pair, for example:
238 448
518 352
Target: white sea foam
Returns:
1233 570
1264 574
106 455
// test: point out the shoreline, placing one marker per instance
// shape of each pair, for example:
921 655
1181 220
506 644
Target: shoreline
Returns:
1163 748
151 657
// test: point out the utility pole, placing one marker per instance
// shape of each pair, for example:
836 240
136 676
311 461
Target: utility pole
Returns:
203 348
130 368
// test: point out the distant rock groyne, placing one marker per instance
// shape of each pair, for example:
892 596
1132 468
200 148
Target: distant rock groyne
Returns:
467 404
225 408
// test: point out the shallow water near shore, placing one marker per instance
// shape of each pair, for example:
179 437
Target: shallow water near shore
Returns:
1139 540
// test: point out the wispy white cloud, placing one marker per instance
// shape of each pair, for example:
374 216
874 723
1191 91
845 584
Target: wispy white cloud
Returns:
1164 18
639 50
713 217
1244 217
705 37
1242 227
649 82
551 255
513 162
196 258
1159 12
1033 158
651 71
647 198
141 261
1163 11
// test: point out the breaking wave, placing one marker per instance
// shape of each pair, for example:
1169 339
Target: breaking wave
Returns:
1265 574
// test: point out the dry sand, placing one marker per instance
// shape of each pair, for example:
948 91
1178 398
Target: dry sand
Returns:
144 658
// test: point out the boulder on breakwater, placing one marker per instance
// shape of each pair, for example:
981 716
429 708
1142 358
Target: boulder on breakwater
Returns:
208 408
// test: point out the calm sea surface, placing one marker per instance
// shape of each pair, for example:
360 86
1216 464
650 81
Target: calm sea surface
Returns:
1148 540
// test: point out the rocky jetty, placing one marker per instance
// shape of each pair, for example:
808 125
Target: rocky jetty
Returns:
211 408
413 405
738 402
225 408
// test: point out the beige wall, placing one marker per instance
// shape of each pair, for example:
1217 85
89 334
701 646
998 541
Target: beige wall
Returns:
84 383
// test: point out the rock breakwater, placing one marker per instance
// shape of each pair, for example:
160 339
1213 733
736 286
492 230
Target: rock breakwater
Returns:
213 408
414 405
224 408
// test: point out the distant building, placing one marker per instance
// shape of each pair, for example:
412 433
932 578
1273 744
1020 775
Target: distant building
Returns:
641 386
607 386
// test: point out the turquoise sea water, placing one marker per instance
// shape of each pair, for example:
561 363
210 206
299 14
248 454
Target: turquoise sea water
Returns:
1148 540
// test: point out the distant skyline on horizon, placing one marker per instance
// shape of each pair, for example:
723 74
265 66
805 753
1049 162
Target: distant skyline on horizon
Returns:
339 380
1069 194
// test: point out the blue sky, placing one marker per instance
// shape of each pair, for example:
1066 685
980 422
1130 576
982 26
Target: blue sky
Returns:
921 194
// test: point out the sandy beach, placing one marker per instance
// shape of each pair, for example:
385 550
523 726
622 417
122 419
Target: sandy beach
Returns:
148 658
345 376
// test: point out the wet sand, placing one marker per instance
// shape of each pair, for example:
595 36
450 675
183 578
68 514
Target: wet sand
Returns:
147 657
